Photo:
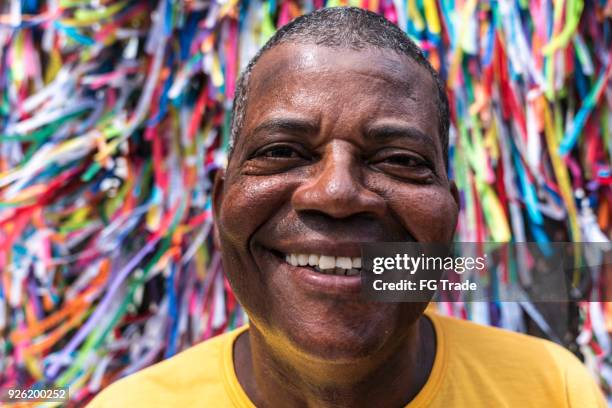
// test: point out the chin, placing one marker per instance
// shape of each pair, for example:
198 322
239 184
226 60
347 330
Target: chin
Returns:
352 337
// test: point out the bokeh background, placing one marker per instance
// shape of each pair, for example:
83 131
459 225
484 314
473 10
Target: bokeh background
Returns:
114 117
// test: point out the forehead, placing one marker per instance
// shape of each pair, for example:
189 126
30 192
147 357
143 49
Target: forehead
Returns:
294 61
341 85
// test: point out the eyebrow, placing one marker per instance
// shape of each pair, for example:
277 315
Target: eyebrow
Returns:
388 131
381 132
295 126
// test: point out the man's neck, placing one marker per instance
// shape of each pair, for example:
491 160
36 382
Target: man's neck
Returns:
391 379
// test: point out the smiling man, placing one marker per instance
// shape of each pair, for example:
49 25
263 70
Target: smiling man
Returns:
340 137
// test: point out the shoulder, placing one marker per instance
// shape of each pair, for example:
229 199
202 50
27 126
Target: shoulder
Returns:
510 362
193 374
580 386
467 337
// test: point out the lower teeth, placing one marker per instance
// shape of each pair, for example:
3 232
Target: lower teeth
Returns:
337 271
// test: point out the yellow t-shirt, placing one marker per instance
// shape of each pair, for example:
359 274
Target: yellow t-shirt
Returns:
475 366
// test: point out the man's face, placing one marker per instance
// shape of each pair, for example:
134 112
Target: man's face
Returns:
338 147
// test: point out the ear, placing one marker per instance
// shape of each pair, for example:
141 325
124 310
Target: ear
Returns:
217 200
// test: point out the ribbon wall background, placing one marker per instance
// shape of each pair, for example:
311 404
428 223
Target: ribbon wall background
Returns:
114 115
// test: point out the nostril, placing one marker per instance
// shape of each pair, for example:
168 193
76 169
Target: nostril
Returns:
314 214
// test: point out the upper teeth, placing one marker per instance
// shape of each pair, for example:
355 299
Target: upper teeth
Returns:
326 262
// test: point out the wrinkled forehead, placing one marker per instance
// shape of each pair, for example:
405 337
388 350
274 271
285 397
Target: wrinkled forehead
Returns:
289 62
346 86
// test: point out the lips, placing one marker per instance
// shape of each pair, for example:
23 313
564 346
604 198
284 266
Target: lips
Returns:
321 279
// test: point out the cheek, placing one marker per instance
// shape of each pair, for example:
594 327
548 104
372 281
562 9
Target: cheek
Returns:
428 212
247 204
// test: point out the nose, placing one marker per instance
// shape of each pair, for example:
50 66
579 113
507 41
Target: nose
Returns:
337 189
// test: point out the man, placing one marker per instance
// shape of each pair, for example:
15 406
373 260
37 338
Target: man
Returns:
340 135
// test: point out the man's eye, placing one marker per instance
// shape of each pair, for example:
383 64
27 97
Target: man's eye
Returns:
408 161
276 158
279 152
404 166
404 160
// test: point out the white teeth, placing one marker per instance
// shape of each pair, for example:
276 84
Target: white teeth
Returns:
302 259
327 262
344 262
333 265
313 260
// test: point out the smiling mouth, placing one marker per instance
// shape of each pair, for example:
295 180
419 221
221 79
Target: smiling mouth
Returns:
325 264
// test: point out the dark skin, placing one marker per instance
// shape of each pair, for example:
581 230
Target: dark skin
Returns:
338 147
